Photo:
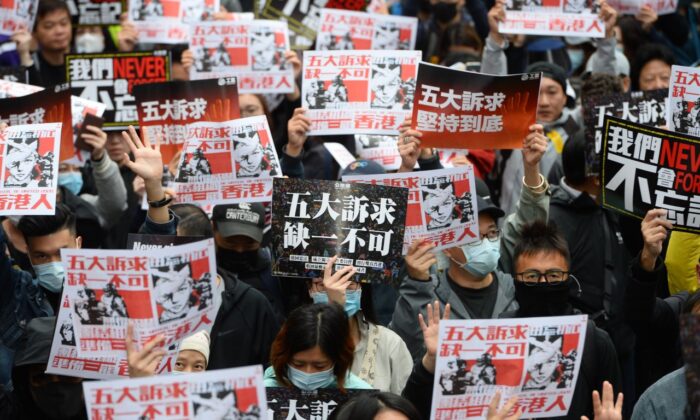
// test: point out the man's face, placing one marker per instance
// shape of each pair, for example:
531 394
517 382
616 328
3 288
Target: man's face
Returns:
237 243
386 86
47 248
21 164
174 294
552 101
440 207
655 74
250 156
542 368
542 262
487 224
53 31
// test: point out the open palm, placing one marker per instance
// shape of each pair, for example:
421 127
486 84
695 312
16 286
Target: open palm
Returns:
148 162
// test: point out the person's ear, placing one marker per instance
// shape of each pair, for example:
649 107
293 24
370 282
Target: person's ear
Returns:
626 82
79 242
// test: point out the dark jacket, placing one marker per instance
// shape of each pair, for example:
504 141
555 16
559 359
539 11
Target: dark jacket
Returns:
599 260
419 389
244 327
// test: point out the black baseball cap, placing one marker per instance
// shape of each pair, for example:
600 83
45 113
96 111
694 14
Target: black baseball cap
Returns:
246 219
483 200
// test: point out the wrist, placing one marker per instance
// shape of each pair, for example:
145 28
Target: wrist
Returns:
154 190
429 363
293 150
647 259
97 154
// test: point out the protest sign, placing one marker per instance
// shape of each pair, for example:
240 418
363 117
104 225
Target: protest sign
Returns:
632 7
346 30
293 403
314 220
381 149
43 106
29 162
690 341
340 154
647 107
110 79
145 242
14 89
165 109
441 204
358 92
229 162
537 359
684 101
171 291
463 110
553 18
96 12
302 17
13 74
236 393
166 21
16 15
253 51
646 168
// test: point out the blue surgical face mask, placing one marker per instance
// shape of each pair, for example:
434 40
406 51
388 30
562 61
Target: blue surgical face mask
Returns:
576 56
310 381
319 297
482 259
73 181
352 301
50 276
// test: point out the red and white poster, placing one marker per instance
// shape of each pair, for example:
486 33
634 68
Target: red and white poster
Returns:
553 18
166 21
171 291
380 149
9 89
229 162
16 15
236 393
537 359
358 92
458 109
632 7
253 51
683 110
441 204
347 30
29 164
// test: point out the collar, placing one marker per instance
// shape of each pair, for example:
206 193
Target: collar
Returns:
574 193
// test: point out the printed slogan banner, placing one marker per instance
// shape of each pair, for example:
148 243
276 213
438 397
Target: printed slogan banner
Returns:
110 79
553 18
646 168
13 74
537 359
230 162
441 204
97 12
381 149
647 107
14 89
236 393
684 101
292 403
632 7
16 15
171 291
346 30
463 110
313 221
165 21
302 17
358 92
253 51
29 164
43 106
165 109
145 242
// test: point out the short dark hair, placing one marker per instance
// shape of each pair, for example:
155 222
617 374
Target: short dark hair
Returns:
193 220
600 84
573 159
323 325
539 236
368 405
644 55
49 6
33 226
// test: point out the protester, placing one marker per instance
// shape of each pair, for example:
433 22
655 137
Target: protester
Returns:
377 407
651 67
192 356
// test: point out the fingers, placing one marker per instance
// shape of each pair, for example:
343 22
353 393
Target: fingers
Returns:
618 403
130 338
508 405
493 405
328 269
655 213
422 248
607 395
129 142
597 407
446 314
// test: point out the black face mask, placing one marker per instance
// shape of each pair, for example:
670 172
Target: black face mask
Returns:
237 262
58 400
444 12
543 299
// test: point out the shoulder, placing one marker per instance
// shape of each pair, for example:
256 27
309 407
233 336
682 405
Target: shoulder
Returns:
667 396
390 338
270 379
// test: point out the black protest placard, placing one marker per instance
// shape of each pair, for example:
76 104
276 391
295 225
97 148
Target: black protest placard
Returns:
96 12
110 79
313 221
286 403
145 242
14 74
646 168
647 107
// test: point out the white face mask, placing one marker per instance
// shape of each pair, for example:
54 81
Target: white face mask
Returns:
89 43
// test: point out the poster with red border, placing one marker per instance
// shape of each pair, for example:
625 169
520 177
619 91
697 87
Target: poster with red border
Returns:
553 18
16 15
346 30
683 111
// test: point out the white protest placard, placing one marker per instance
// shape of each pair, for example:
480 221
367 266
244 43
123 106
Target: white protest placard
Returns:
339 153
166 21
683 110
17 15
348 30
553 18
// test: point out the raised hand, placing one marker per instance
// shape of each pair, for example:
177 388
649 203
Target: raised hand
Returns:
96 138
337 283
495 414
655 229
419 259
297 127
606 408
431 330
148 162
143 362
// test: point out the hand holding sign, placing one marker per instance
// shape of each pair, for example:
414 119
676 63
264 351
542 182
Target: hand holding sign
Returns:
419 260
495 414
606 408
608 14
496 15
143 362
337 283
655 229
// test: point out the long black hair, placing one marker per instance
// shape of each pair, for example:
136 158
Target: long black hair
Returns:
367 406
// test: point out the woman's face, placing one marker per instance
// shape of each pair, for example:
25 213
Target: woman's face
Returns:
389 414
316 286
250 105
312 360
190 361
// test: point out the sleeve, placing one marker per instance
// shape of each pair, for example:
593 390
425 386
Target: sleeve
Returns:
479 13
414 295
5 265
531 207
607 363
110 200
419 389
401 365
606 62
493 60
640 294
293 167
430 164
266 328
150 227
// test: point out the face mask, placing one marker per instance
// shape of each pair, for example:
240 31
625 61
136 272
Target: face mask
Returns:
236 262
58 400
482 259
620 48
72 181
89 43
576 57
542 299
445 12
352 301
310 381
319 297
50 276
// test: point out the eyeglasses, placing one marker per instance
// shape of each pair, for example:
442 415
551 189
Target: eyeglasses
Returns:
532 277
492 235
